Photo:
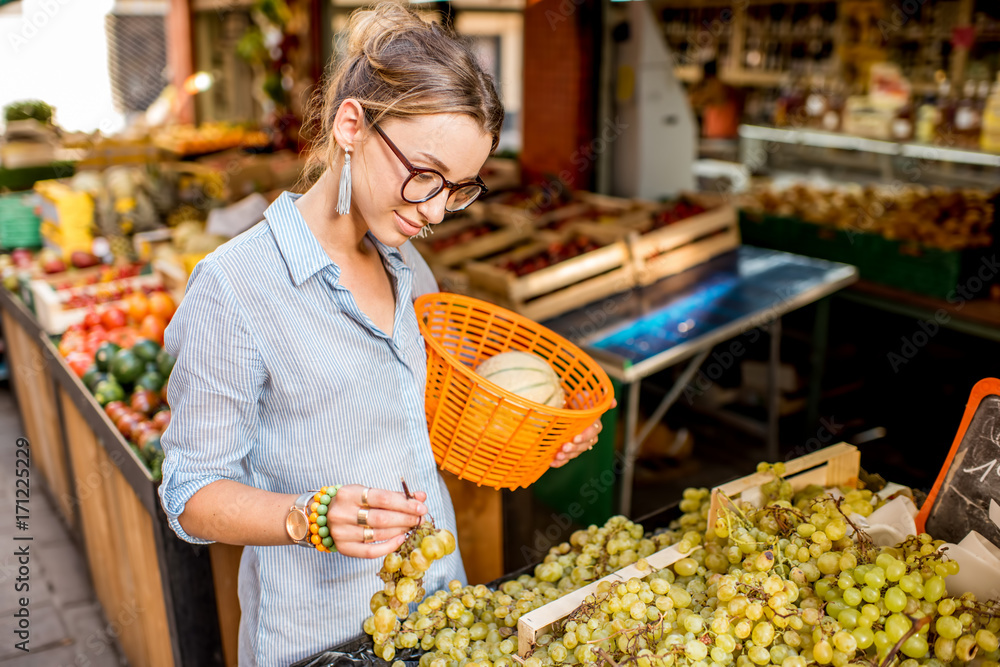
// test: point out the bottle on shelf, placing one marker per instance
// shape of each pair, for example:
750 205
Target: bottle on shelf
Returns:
990 139
967 120
946 134
902 128
928 118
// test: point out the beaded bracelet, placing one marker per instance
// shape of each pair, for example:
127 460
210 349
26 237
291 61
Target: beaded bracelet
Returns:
319 532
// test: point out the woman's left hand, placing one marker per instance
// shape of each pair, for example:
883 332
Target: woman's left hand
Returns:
581 443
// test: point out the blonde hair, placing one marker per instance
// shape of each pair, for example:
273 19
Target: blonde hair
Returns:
397 65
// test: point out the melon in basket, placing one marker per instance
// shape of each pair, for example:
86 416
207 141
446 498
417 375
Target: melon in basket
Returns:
525 374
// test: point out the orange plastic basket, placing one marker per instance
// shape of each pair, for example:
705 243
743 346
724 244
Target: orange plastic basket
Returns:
480 431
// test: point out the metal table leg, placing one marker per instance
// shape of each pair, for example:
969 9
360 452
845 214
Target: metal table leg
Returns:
634 440
817 361
773 390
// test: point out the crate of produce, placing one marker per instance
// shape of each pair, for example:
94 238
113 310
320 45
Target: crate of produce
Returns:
838 465
582 208
553 275
19 222
925 240
57 309
903 264
472 234
727 598
531 626
683 234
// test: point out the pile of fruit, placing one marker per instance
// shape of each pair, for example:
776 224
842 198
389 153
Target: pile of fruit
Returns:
675 212
596 214
74 298
557 251
936 217
118 355
448 240
131 384
138 315
536 199
792 583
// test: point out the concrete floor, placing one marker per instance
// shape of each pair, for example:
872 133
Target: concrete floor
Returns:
66 623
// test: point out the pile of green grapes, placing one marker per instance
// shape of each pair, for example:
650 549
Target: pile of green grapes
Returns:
792 583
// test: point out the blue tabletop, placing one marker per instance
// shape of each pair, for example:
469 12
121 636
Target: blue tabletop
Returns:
639 332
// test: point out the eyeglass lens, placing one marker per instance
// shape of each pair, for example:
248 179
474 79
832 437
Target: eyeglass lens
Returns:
424 185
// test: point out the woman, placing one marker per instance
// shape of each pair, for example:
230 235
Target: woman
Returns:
300 365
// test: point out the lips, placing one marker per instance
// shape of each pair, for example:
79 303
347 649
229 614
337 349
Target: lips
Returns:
406 226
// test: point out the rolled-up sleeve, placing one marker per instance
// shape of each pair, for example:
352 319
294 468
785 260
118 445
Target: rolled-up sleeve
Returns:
214 391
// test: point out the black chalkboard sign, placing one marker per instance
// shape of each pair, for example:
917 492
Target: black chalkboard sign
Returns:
967 490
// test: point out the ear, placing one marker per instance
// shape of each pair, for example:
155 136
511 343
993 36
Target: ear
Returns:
348 124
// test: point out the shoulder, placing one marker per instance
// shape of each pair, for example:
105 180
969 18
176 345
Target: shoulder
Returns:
242 260
424 281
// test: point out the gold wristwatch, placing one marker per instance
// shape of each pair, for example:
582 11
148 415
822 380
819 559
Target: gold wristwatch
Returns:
297 521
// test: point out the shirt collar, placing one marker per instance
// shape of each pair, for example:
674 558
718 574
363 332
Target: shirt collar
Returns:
300 249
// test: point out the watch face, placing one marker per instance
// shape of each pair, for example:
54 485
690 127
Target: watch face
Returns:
297 525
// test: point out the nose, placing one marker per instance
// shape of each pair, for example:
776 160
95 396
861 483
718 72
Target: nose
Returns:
433 210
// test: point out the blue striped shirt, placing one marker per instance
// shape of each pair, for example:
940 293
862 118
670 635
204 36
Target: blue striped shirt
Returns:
283 383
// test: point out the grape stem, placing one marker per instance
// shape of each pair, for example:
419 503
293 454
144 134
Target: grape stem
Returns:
606 656
918 623
865 543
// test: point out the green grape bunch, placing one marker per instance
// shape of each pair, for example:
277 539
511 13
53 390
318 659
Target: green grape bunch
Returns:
793 583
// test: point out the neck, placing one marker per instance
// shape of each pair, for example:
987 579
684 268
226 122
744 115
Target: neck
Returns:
340 235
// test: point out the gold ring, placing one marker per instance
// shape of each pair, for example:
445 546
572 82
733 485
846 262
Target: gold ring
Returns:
369 535
364 497
363 516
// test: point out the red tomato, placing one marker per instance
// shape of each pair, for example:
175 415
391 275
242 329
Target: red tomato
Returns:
162 419
127 424
79 362
92 319
152 327
70 342
144 401
124 337
76 327
114 317
143 428
115 410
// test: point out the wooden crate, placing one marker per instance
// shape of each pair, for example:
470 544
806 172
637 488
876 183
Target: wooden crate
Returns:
555 289
538 622
627 213
48 302
679 246
836 465
502 236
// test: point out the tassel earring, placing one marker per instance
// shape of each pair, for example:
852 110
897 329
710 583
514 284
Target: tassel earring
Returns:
344 196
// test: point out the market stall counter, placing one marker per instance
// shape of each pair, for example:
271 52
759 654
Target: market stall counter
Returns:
108 497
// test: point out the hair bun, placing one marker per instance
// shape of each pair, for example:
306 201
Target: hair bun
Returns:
369 30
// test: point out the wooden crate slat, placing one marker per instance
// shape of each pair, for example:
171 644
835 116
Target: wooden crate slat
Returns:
536 622
681 259
555 289
836 465
570 272
507 235
677 247
567 299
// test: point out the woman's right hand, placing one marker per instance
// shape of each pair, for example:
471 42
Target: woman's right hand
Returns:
390 515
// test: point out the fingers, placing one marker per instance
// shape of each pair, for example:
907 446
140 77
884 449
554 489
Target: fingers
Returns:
357 549
388 519
390 516
393 500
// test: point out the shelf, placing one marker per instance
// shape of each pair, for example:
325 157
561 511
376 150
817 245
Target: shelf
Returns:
821 139
736 77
